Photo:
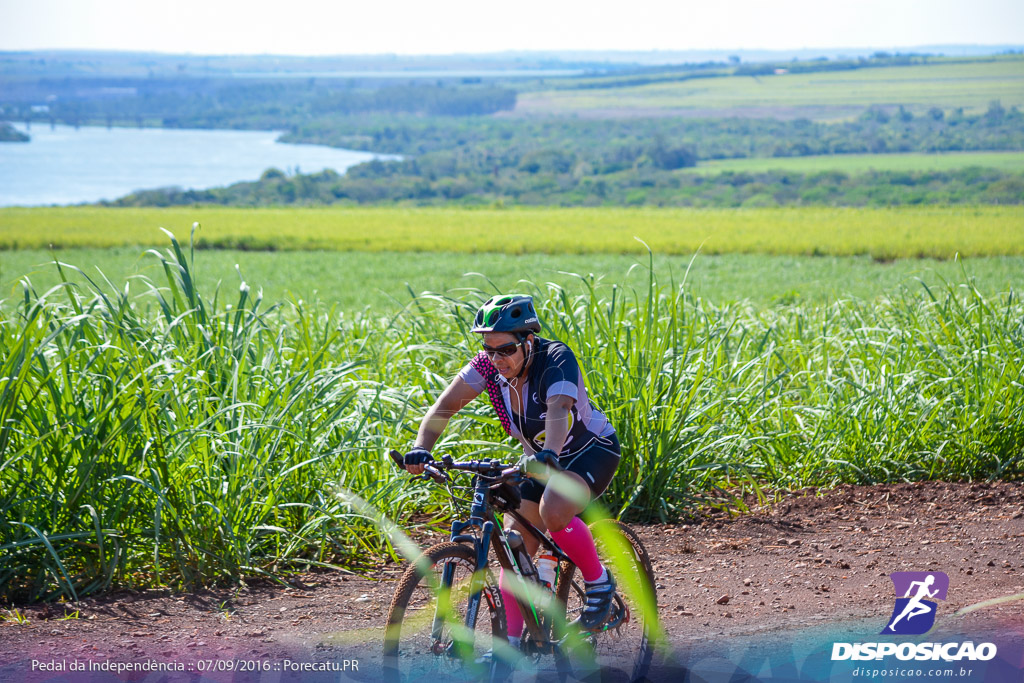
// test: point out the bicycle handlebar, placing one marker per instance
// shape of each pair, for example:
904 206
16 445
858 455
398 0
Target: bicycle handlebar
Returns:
489 468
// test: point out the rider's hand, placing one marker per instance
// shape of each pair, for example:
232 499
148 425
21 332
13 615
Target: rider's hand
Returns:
539 462
415 460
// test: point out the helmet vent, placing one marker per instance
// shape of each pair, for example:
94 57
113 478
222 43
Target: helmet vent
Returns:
503 300
515 313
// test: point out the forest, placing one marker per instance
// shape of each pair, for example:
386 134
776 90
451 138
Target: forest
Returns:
569 162
466 140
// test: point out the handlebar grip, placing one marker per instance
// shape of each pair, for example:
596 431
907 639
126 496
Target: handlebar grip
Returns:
430 471
551 460
533 467
398 459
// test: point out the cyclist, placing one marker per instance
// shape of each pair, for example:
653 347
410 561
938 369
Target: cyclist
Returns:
536 388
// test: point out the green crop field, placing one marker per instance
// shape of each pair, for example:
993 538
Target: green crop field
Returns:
382 281
822 95
882 233
862 163
170 436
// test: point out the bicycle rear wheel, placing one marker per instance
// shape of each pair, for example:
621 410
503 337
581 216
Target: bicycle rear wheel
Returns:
416 645
624 650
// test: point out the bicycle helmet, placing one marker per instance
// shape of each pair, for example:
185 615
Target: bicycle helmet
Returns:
507 313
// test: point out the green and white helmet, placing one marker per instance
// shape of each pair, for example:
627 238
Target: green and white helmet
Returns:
507 313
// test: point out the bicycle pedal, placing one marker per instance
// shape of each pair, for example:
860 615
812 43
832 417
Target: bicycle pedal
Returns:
619 611
619 615
600 628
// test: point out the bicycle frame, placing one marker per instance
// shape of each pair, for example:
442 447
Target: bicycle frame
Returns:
546 617
492 536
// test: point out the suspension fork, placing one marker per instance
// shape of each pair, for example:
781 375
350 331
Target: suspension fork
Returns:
476 586
480 546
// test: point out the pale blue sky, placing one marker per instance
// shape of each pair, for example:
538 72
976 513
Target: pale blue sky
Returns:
305 27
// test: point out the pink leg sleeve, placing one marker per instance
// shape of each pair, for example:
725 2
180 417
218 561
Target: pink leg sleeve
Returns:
578 544
513 617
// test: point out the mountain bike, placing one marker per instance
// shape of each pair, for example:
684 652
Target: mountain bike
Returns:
447 618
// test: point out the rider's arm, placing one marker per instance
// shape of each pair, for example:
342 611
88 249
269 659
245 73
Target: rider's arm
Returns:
453 399
556 424
560 385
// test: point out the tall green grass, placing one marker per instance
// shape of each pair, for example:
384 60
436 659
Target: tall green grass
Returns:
356 280
170 438
154 435
920 385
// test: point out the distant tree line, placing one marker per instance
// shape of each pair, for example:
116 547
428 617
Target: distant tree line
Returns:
371 184
616 144
629 162
281 104
687 72
418 99
877 60
454 151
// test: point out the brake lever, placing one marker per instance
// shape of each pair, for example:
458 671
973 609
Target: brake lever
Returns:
435 474
507 473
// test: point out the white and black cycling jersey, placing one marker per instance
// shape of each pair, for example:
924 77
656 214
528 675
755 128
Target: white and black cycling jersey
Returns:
554 372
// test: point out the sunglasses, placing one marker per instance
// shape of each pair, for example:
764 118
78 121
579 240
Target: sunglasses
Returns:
505 350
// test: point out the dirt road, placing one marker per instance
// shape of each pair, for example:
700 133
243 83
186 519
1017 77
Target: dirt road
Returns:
805 567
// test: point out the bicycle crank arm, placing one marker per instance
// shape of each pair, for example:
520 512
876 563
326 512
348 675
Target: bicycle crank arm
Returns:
619 617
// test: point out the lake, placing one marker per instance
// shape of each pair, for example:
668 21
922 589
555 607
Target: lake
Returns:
62 165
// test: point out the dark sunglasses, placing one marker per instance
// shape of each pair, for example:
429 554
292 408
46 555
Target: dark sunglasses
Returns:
505 350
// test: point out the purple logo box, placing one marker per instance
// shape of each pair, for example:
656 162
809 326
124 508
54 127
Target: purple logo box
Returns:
902 580
916 592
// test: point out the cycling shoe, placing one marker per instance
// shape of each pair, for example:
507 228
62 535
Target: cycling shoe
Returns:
599 600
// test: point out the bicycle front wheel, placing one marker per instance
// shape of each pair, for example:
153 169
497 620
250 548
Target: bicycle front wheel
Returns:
624 648
429 630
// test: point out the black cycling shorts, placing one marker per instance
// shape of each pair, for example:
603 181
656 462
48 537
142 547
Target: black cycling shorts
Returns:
596 464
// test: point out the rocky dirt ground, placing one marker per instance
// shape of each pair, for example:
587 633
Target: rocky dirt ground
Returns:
804 562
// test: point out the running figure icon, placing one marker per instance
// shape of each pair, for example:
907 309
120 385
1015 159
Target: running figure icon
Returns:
915 607
916 588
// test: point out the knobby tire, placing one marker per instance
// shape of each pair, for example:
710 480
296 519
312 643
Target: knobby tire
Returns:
410 651
625 654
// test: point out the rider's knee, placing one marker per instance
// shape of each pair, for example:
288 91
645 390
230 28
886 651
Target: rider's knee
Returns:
556 516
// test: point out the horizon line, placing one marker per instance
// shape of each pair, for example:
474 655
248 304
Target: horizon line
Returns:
517 52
